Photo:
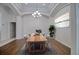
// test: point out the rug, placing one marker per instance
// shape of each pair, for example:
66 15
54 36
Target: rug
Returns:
49 51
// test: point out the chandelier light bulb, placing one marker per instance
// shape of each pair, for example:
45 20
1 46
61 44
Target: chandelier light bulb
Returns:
36 14
32 14
36 11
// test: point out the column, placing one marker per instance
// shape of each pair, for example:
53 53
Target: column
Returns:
73 27
77 29
19 29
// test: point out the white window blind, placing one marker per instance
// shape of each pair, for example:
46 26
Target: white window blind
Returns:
63 24
62 21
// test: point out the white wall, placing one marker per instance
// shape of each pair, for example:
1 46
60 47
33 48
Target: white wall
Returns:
77 29
19 27
6 16
30 24
0 26
4 25
73 27
63 35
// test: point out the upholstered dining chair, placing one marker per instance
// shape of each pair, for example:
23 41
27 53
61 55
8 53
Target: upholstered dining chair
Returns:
25 36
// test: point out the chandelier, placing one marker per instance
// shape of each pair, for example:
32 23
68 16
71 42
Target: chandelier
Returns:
36 14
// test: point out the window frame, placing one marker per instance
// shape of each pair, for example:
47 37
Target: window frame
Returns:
62 21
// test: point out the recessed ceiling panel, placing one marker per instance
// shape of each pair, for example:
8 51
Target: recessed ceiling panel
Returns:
32 7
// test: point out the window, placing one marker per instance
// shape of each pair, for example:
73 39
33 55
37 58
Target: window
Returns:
62 21
63 24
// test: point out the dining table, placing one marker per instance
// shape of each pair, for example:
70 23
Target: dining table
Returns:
36 43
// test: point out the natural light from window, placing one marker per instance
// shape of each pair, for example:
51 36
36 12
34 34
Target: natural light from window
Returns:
63 24
62 21
62 18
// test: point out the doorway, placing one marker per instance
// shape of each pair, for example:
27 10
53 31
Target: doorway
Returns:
12 29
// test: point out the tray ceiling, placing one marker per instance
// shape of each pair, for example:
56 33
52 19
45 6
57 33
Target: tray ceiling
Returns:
27 8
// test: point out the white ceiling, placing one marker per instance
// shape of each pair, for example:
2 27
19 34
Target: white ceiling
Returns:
29 8
47 9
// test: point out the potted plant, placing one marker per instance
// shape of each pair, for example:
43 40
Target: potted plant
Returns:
52 30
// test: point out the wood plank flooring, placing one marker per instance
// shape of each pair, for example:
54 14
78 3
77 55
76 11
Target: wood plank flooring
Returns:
13 47
60 48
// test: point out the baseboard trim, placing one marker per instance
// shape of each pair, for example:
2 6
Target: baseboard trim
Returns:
4 42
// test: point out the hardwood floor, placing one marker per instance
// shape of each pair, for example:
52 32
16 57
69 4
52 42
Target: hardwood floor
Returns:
60 48
14 47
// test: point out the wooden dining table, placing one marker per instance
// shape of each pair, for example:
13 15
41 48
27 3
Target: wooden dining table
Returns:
36 43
